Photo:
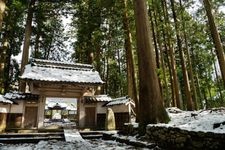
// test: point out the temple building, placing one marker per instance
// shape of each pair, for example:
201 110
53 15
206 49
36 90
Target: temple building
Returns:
45 79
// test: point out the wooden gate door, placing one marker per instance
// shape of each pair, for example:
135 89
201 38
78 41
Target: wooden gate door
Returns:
30 119
90 117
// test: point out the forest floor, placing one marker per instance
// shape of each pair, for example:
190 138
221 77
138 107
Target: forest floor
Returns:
211 120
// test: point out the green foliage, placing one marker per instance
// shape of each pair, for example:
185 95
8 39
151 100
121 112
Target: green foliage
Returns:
12 33
97 27
48 38
218 100
98 38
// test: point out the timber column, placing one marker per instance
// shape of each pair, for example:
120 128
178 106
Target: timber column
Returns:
41 110
3 117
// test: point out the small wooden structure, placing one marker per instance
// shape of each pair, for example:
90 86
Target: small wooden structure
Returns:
95 113
123 108
95 108
22 111
4 110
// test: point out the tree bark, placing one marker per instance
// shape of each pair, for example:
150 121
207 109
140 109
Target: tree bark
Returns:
193 91
199 92
26 44
2 11
218 83
158 14
216 38
156 44
131 82
177 100
3 63
36 48
182 59
7 67
150 100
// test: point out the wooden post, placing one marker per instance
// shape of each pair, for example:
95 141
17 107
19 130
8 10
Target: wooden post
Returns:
129 111
3 117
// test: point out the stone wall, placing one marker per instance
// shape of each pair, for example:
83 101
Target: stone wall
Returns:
175 138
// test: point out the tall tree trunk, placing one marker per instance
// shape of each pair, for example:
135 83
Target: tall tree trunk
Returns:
182 59
158 14
218 83
154 34
151 103
199 91
2 11
177 100
98 58
173 98
191 74
216 38
131 82
155 40
107 61
165 44
6 70
26 44
119 71
193 91
3 48
36 47
206 100
3 63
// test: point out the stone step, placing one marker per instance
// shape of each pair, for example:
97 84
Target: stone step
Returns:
92 136
14 135
29 139
72 135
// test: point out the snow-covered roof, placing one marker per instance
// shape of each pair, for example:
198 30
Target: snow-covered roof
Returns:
120 101
4 100
15 95
98 98
55 71
71 107
57 105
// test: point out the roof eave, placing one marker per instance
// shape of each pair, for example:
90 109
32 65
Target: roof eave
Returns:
67 82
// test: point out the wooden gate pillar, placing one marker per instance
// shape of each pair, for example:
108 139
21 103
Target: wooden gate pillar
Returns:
3 117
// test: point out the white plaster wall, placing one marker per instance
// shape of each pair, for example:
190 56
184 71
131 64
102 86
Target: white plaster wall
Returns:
17 108
4 108
115 108
100 109
119 108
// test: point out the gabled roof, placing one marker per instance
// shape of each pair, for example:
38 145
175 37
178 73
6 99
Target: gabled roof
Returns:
56 105
97 98
55 71
120 101
4 100
15 95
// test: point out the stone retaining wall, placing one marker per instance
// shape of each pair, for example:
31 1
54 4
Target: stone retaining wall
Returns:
175 138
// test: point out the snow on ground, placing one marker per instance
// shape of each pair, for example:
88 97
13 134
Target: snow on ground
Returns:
201 120
97 144
48 145
112 145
